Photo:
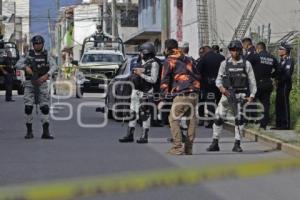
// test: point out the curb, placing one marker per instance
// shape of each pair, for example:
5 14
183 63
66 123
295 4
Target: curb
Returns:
274 143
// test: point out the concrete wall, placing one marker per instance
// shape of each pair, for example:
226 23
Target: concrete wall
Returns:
84 25
189 24
147 20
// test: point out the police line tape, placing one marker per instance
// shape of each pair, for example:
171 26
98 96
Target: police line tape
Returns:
90 187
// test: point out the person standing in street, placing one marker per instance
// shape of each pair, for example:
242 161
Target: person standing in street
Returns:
284 87
236 82
39 67
144 80
264 66
8 72
208 67
180 80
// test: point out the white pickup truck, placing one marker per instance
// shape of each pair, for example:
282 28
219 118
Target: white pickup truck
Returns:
95 68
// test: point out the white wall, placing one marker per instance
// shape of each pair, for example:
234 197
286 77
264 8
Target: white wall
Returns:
85 17
189 25
22 10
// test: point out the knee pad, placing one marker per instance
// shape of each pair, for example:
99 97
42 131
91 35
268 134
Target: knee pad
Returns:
219 121
28 110
45 110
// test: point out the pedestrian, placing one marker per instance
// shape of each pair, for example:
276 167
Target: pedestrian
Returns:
208 67
39 67
179 80
8 72
264 66
144 79
236 82
284 87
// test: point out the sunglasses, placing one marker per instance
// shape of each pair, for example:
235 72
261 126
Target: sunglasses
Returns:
37 43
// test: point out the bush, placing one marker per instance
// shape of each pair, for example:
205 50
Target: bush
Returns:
294 106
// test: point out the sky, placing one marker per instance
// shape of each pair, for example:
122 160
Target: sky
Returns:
39 14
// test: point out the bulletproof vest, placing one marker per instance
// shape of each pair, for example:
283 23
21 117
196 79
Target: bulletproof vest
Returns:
236 77
40 61
140 83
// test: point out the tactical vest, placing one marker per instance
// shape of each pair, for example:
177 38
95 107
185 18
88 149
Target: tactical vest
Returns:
41 62
236 77
140 83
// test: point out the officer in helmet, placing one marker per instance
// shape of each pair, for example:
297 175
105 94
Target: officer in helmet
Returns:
38 66
144 78
236 82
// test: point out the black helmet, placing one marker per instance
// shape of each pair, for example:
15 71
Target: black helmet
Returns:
37 39
235 44
147 48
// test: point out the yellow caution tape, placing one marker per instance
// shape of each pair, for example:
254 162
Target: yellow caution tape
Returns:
87 187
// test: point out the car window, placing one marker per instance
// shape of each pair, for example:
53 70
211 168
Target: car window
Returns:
102 58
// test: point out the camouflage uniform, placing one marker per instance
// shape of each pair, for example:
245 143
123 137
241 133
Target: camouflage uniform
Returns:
43 96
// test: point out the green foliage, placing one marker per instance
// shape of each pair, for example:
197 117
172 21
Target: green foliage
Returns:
294 106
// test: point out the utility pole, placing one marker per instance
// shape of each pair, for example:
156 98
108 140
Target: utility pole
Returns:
49 31
114 19
269 33
1 34
165 21
104 16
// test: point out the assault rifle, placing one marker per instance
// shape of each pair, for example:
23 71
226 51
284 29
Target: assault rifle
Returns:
34 80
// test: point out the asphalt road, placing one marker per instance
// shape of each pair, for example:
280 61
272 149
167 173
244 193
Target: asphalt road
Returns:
85 152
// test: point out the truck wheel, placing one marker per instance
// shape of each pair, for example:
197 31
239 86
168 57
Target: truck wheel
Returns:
79 92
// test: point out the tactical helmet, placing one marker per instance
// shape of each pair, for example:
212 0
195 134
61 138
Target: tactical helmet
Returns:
235 44
147 48
37 39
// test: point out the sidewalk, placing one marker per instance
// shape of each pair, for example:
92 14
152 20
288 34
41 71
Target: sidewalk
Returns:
287 141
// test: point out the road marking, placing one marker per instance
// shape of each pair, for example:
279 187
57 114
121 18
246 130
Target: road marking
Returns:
88 187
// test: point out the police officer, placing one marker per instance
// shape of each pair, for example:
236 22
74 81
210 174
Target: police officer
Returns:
249 48
264 66
8 71
46 66
284 86
235 80
144 80
216 49
208 67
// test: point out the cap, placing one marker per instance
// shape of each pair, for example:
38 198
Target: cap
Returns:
285 46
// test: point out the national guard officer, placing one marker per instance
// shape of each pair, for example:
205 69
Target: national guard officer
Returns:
284 86
264 66
8 71
38 66
144 80
235 80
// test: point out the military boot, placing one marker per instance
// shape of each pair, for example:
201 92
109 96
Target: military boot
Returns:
237 146
129 136
144 138
46 134
29 134
214 146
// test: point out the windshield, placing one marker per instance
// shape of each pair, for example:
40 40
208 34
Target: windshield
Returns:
113 58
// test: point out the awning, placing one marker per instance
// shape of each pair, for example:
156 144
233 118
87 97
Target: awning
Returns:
142 36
